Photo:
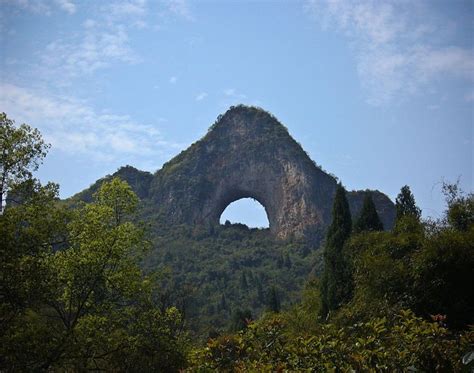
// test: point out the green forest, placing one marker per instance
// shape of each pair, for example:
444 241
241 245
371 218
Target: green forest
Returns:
92 283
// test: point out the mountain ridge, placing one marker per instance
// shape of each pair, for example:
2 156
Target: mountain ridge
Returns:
247 152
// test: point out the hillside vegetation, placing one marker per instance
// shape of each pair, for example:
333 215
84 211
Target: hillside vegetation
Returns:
93 283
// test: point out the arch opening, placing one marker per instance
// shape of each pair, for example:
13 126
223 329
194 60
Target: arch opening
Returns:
246 211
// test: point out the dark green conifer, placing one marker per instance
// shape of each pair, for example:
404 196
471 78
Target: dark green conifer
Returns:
408 213
223 303
406 205
335 283
287 261
368 219
260 294
280 261
243 281
273 300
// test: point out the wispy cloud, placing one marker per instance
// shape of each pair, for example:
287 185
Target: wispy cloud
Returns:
95 49
232 93
102 41
173 80
43 7
128 8
201 96
74 127
35 6
130 13
181 8
67 6
399 49
231 96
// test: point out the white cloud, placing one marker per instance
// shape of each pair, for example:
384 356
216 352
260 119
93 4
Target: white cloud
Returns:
44 7
34 6
173 80
74 127
128 8
103 40
201 96
398 47
181 9
131 13
67 6
232 93
94 49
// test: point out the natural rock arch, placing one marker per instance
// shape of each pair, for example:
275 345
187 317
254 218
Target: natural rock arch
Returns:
246 211
260 204
248 153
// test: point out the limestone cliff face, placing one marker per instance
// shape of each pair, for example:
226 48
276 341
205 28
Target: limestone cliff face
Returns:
248 153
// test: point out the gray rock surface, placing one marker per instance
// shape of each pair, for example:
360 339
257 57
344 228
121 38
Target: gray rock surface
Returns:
248 153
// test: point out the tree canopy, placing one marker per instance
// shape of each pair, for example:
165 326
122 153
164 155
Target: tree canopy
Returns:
22 150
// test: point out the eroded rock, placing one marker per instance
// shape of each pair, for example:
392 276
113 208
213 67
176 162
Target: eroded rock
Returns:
249 153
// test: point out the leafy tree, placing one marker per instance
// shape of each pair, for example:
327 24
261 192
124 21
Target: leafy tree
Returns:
442 273
335 278
460 212
22 150
118 196
368 219
29 232
99 310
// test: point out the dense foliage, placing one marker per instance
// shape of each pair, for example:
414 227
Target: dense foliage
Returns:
403 343
82 302
211 275
411 308
72 293
89 286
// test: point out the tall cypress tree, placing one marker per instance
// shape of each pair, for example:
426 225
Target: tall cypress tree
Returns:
406 205
273 300
335 282
408 213
368 219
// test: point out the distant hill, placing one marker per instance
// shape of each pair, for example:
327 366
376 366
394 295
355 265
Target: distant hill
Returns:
212 271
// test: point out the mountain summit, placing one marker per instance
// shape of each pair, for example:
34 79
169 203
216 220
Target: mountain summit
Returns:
247 152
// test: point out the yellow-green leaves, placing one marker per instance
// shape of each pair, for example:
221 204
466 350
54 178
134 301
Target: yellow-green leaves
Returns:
118 196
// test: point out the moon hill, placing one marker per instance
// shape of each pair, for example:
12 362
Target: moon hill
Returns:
247 152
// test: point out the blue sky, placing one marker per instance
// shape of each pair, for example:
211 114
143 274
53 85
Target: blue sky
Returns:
380 93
